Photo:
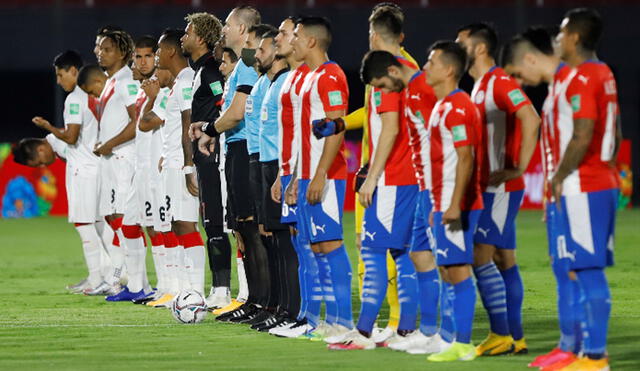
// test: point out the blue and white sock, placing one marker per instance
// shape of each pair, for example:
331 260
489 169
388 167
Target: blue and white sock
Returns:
515 295
374 286
580 324
429 294
566 315
407 290
494 297
298 245
324 275
314 289
341 277
597 304
447 322
464 305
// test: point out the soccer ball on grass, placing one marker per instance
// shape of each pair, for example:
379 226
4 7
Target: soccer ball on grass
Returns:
189 307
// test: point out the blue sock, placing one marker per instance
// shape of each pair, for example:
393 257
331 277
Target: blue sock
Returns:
407 290
566 316
464 305
314 289
597 304
447 323
298 245
494 297
341 277
579 313
515 295
324 276
374 286
429 293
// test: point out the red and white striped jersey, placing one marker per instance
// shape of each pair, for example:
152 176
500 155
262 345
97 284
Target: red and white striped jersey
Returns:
498 98
324 90
289 118
587 92
455 122
419 100
120 92
397 170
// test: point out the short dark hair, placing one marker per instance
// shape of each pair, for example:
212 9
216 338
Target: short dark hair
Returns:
388 22
535 38
26 150
261 29
68 59
232 54
271 34
87 72
321 27
588 24
453 54
375 65
107 28
172 36
147 41
484 32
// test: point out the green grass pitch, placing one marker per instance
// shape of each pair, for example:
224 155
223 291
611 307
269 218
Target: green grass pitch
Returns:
43 327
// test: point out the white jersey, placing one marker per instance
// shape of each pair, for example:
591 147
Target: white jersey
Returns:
156 145
179 100
120 92
143 139
59 147
78 110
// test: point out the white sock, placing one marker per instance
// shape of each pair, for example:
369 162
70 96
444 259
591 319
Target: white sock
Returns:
171 270
106 239
134 258
183 278
243 286
194 266
91 246
158 255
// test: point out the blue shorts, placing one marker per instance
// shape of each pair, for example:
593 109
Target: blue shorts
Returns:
422 238
455 246
289 213
387 224
582 232
322 221
497 223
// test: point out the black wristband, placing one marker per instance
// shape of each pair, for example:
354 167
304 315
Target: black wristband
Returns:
210 129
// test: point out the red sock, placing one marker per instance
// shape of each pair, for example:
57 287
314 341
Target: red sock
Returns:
170 240
116 223
116 240
132 231
157 240
239 254
191 239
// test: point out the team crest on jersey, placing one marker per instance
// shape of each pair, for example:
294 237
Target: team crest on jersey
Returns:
575 103
187 93
480 97
133 89
74 109
335 98
516 96
377 98
216 88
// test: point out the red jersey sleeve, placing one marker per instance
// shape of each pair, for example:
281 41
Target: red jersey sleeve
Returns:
333 91
581 94
508 95
386 102
460 122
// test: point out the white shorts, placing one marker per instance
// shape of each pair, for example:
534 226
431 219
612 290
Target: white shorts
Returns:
138 208
116 182
159 203
81 183
182 205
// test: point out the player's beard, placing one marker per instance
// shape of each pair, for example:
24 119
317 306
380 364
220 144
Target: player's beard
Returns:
398 85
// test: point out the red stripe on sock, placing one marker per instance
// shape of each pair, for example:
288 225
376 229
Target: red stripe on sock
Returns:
170 240
132 231
116 240
191 240
80 224
239 254
157 240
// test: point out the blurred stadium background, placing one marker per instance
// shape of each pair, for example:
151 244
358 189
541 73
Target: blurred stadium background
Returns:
34 31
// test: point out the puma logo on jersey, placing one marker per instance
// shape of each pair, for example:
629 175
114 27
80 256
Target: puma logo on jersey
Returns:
484 232
583 79
460 111
415 96
371 236
444 253
333 78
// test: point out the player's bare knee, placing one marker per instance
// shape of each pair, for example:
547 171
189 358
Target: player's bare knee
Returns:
505 259
483 254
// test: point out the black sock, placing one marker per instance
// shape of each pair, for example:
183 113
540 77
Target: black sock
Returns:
290 271
219 253
272 262
259 262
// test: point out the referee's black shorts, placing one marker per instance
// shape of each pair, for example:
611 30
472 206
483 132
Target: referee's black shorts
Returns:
239 204
271 211
255 184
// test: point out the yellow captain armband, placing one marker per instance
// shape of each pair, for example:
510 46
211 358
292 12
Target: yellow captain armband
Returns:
354 120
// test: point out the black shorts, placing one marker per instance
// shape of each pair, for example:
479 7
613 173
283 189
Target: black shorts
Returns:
255 182
271 211
211 208
239 204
